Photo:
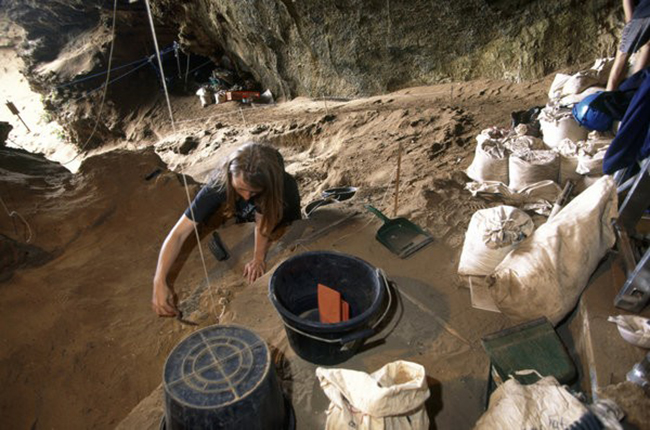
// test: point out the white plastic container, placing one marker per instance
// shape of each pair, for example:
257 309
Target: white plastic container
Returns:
634 329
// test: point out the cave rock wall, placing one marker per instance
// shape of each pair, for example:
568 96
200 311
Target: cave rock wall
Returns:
363 47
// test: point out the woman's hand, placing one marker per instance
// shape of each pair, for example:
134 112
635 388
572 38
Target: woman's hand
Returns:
163 301
254 269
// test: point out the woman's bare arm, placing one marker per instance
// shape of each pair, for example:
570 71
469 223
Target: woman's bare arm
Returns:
163 302
257 266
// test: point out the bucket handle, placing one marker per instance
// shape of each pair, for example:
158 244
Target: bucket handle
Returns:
345 341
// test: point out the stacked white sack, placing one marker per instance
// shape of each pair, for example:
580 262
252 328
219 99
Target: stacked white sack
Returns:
520 144
527 168
546 274
584 158
570 89
490 162
558 124
491 235
556 120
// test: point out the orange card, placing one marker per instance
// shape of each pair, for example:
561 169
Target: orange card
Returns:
329 305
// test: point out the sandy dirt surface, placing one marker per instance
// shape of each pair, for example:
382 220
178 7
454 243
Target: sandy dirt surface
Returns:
81 347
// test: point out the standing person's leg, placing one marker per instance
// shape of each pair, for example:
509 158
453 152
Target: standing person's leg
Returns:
618 70
635 35
642 57
636 39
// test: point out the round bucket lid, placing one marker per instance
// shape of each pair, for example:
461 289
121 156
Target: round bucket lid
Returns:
216 366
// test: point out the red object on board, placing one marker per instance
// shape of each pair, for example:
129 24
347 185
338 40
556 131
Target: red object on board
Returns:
241 95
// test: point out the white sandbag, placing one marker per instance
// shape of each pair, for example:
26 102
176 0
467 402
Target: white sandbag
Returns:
582 158
558 124
547 272
602 68
568 151
585 182
392 398
518 144
531 167
492 133
557 86
568 166
492 233
542 405
591 165
567 148
538 197
490 162
543 190
591 154
572 99
580 82
547 190
596 141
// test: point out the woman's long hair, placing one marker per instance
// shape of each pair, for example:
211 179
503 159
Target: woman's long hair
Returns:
262 167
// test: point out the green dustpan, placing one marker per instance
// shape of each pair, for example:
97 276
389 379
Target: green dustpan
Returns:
400 235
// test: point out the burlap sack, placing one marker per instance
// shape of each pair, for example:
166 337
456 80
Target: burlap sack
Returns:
568 151
538 197
492 133
591 165
518 144
490 162
547 272
531 167
572 99
392 398
542 405
492 233
558 124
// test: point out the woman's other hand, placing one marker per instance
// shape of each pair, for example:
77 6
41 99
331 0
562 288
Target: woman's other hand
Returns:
254 269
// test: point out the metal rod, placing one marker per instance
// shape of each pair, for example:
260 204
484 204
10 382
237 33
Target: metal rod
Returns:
14 110
399 165
178 60
187 69
561 199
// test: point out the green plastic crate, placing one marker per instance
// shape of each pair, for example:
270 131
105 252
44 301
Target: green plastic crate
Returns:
533 345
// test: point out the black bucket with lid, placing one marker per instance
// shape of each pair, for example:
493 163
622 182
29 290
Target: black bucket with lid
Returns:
222 377
293 290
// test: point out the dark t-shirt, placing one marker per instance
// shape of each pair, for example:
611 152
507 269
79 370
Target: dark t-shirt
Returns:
209 200
641 9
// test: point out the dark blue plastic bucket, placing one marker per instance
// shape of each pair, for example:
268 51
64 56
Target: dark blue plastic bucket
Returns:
222 377
293 290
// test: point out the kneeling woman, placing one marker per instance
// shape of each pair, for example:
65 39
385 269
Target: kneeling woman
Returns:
250 185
